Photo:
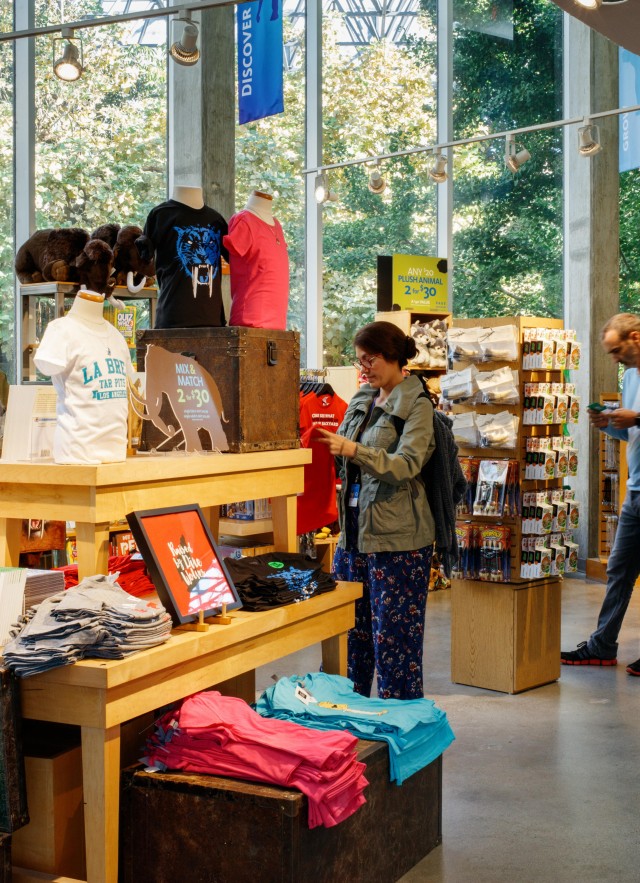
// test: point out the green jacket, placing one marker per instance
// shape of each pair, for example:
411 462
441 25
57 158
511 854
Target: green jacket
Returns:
394 513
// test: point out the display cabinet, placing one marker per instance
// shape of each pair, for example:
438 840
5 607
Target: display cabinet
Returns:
506 633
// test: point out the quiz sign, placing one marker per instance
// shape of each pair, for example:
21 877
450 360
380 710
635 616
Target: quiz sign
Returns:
420 283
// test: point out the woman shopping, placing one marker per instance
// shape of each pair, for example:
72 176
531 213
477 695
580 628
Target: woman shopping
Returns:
387 529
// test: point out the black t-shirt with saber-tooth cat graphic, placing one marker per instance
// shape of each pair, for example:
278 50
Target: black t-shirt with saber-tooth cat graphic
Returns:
188 245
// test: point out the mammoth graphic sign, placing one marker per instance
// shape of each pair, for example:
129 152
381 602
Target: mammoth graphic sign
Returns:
181 399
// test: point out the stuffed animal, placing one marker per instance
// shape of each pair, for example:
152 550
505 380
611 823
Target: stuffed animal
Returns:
66 255
95 267
133 252
49 255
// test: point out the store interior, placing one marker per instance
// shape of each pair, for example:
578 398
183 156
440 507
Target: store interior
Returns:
469 178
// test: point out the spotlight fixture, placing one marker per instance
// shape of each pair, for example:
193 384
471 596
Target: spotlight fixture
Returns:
514 157
438 171
69 66
322 192
185 50
589 139
596 4
377 183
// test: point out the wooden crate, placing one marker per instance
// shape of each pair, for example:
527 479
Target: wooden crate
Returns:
505 636
257 371
196 829
53 841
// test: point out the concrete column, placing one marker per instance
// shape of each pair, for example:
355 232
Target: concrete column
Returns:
201 117
591 232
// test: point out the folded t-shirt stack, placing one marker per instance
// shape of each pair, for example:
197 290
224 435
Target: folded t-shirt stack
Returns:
223 736
95 618
417 731
277 578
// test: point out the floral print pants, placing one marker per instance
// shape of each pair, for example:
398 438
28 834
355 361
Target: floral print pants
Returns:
389 631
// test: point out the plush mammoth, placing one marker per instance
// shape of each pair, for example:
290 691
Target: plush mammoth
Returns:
49 255
66 255
133 253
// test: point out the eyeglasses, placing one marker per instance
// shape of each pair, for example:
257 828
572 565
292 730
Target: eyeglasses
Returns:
365 363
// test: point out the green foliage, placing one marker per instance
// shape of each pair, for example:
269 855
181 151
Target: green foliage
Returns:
508 228
630 242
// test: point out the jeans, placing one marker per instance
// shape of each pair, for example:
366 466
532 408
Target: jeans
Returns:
623 570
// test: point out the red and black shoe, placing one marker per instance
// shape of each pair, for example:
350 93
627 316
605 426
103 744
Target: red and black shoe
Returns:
582 656
634 668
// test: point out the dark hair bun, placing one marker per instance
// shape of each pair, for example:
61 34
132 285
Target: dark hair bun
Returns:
410 349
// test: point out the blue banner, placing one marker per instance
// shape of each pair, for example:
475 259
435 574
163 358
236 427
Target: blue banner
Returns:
260 60
629 95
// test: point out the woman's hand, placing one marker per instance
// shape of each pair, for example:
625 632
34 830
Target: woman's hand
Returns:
338 446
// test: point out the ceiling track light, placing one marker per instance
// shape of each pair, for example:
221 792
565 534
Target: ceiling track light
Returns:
69 65
438 171
185 50
322 192
589 139
596 4
377 184
515 155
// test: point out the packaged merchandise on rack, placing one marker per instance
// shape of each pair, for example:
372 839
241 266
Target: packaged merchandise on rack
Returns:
464 344
459 386
465 430
497 430
499 344
494 542
470 467
499 387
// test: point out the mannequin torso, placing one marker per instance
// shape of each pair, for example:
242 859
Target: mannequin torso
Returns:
259 204
87 308
191 196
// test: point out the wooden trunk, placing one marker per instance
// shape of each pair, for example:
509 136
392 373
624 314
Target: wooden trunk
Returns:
257 371
13 793
5 858
200 829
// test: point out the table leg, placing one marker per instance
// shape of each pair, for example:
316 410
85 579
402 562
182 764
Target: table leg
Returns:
284 511
92 544
10 534
101 787
334 655
212 517
243 686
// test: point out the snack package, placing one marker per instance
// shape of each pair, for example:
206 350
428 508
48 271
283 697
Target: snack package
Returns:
571 559
463 567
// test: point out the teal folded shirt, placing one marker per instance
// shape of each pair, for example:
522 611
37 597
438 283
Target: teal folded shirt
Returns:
415 729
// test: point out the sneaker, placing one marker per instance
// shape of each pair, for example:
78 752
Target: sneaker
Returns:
581 656
634 668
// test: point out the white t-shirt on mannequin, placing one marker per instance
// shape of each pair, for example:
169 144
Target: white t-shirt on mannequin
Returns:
88 362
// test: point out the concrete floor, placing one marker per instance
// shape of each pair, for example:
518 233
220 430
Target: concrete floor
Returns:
541 787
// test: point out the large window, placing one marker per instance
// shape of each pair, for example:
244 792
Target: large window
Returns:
270 157
378 97
507 70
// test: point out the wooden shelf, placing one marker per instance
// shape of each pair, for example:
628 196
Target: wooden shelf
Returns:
234 527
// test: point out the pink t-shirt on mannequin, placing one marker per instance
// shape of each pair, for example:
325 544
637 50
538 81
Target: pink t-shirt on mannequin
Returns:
259 268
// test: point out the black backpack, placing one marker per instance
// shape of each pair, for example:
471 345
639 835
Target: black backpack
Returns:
444 483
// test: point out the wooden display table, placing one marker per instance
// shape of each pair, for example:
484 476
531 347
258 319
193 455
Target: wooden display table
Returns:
100 695
96 496
505 636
